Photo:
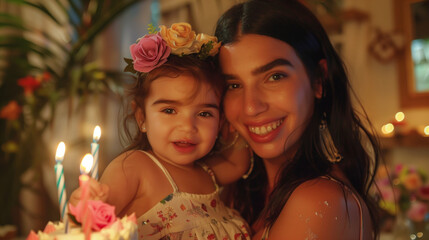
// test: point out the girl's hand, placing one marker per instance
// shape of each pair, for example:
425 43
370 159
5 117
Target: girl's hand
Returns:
98 191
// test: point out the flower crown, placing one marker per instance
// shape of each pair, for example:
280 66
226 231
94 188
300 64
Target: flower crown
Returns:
152 50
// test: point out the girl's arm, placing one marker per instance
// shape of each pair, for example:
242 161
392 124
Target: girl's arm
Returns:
232 161
117 185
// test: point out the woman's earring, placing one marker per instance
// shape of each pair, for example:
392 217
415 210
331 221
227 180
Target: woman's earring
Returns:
252 162
328 146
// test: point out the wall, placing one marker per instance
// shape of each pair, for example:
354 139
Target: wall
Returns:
376 83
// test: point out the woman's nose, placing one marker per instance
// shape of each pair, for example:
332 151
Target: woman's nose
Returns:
254 102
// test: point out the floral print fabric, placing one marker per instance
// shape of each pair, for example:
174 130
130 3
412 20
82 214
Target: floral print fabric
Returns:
183 215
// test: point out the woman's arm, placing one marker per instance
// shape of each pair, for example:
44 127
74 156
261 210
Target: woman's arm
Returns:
232 161
318 209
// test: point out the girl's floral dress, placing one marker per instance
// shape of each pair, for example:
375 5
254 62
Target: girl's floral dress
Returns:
183 215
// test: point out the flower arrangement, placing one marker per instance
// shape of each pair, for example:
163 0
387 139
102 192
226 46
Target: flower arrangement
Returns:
153 49
406 194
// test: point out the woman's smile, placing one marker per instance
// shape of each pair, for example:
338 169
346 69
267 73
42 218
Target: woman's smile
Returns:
264 132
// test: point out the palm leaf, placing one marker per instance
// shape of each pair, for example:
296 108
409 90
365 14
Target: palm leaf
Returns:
39 7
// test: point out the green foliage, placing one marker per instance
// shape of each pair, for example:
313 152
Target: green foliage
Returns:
152 29
205 50
72 70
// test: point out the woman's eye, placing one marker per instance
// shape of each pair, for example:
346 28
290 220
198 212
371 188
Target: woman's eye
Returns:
276 77
231 86
205 114
168 110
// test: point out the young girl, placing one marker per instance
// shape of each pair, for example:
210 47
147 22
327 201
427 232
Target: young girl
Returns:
173 185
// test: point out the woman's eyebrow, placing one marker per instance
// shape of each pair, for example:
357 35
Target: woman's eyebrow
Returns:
264 68
272 64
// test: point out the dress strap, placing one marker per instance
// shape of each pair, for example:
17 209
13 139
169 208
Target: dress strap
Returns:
355 198
164 170
209 171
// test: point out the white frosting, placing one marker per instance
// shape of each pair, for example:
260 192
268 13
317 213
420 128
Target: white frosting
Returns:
122 229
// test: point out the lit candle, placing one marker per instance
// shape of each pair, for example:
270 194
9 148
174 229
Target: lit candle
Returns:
399 122
61 186
85 168
426 131
387 129
399 117
94 151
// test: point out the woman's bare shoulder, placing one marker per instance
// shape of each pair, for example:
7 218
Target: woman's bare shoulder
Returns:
319 207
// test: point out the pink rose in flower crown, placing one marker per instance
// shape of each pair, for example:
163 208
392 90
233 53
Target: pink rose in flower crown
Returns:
101 214
150 52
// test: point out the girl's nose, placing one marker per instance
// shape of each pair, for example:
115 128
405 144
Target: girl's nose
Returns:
187 124
254 102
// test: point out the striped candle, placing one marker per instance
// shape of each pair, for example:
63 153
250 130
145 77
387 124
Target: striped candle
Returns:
94 151
61 187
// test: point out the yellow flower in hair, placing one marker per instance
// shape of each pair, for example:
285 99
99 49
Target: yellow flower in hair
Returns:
180 38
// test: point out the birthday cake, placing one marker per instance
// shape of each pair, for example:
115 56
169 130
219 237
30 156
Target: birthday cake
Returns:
103 224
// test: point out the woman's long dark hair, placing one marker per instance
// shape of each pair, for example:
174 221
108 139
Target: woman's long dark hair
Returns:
294 24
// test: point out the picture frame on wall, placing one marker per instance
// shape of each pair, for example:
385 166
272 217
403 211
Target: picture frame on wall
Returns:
412 20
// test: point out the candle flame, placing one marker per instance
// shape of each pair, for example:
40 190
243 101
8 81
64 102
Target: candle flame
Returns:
61 149
97 133
426 130
399 116
387 128
86 164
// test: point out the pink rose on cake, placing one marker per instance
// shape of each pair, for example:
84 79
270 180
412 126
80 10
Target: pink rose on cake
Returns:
101 214
150 52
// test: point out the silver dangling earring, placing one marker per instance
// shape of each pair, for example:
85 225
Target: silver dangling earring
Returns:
328 146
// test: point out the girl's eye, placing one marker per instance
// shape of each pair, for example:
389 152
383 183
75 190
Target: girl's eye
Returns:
276 77
168 111
205 114
231 86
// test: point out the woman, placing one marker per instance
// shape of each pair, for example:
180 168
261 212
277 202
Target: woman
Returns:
289 96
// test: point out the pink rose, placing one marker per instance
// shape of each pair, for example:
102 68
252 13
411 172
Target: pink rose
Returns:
100 213
423 193
150 52
417 211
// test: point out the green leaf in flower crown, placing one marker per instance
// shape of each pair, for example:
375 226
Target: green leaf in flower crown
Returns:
152 29
205 50
130 66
